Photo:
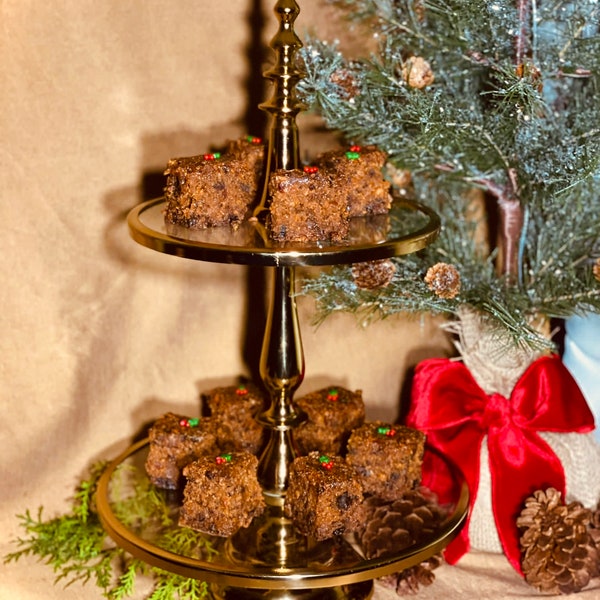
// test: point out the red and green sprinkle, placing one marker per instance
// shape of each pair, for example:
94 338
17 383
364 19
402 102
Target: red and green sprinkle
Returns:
353 153
223 458
333 395
326 462
388 431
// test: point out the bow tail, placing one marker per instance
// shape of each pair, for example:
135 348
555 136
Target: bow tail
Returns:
520 463
462 445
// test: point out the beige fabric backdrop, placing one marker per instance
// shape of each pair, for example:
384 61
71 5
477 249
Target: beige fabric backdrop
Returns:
100 335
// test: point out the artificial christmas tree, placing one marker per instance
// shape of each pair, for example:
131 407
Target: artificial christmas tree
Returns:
499 96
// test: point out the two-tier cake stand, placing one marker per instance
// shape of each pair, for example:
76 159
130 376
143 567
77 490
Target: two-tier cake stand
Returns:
270 559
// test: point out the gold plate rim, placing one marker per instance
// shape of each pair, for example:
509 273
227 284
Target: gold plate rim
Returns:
270 253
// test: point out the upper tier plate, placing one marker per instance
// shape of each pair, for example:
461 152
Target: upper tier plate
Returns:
408 227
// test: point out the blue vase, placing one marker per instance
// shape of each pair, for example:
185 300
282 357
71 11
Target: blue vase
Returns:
582 358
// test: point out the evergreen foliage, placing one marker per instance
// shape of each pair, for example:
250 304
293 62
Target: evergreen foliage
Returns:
78 549
510 107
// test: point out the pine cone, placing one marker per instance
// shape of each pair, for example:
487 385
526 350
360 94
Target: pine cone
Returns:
347 83
443 280
400 178
558 552
373 274
417 72
391 527
595 527
596 269
410 581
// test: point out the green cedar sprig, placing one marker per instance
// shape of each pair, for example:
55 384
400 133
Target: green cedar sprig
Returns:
78 549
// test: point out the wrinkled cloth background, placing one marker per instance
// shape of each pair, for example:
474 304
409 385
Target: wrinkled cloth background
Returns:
99 336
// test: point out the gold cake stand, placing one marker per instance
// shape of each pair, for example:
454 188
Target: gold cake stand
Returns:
269 559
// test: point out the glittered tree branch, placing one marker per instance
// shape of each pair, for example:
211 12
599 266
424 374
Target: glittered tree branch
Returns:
501 96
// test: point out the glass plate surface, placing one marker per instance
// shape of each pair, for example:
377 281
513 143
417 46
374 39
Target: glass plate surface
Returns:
407 228
224 560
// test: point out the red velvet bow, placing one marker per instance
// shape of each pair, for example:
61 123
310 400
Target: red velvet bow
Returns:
456 414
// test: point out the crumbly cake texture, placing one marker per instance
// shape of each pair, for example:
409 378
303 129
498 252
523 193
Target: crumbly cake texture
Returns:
233 410
306 206
358 173
387 458
324 496
214 189
331 414
175 441
222 493
316 204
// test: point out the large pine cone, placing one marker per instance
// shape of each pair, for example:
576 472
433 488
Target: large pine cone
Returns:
559 555
392 526
595 533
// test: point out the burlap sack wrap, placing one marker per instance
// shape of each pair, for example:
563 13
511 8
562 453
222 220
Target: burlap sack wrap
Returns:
514 421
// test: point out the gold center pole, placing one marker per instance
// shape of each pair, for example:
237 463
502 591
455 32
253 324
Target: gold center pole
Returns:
271 539
282 359
282 371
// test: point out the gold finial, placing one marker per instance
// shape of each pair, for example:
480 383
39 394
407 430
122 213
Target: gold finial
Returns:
284 149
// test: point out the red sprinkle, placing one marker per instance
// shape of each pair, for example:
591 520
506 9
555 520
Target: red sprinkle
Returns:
326 462
241 390
184 423
354 148
310 169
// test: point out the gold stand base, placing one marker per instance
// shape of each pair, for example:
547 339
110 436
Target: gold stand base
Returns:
354 591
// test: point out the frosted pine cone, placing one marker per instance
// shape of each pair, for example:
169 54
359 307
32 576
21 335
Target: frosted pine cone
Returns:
559 555
596 269
443 280
417 72
373 274
347 83
394 526
401 179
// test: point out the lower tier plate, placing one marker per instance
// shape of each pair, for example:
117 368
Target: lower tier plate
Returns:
264 556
